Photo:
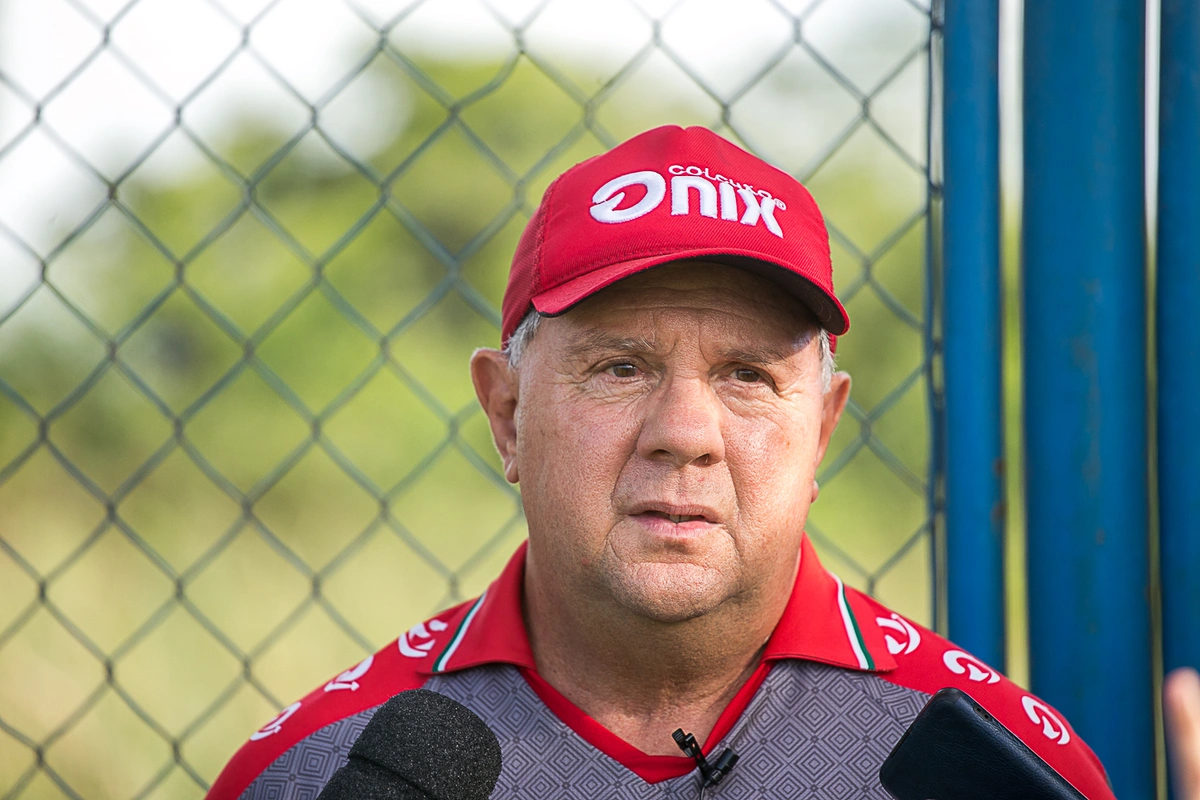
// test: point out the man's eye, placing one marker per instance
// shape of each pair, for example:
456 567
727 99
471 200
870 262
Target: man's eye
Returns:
747 375
623 370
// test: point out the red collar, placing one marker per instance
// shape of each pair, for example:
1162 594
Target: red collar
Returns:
821 622
828 622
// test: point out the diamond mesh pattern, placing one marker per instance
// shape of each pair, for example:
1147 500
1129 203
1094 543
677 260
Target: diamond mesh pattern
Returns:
238 443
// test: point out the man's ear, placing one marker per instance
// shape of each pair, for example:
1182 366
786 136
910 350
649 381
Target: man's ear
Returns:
496 386
834 403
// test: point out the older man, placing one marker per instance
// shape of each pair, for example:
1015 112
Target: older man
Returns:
664 396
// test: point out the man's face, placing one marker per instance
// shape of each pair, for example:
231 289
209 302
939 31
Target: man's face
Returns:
666 434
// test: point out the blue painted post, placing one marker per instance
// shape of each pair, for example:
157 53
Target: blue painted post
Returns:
1178 331
1085 385
973 328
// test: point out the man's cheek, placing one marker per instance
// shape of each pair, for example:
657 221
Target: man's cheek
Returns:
605 433
770 454
773 491
581 459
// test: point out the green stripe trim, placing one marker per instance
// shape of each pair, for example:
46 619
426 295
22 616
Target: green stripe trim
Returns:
439 664
853 631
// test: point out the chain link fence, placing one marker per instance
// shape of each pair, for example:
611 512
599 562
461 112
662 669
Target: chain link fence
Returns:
246 248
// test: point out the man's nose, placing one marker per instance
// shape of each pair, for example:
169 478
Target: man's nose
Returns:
683 424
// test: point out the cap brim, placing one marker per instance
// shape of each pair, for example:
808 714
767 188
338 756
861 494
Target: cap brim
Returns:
827 309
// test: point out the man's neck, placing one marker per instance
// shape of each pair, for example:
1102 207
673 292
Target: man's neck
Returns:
639 678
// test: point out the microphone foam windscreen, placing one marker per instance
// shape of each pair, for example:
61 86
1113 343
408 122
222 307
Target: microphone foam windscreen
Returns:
433 743
362 780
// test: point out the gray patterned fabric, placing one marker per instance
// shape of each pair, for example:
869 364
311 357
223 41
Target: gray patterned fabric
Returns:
302 772
811 731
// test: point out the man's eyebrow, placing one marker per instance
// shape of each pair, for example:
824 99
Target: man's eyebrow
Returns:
762 355
594 342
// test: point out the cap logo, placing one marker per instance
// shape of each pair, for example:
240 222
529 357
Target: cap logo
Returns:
610 195
713 194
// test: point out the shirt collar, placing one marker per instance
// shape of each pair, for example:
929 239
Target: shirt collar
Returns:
823 621
826 621
491 629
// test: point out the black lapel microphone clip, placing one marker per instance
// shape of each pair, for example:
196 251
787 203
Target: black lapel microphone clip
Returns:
712 773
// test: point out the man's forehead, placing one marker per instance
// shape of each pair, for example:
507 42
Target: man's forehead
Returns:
588 342
734 314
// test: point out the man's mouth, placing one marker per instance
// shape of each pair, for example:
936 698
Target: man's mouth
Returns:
676 518
687 516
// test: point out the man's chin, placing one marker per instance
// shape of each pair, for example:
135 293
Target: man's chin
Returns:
669 592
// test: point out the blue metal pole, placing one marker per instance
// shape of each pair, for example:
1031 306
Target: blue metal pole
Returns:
1085 376
1178 331
972 326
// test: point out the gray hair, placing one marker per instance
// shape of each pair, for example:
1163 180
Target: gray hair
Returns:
515 347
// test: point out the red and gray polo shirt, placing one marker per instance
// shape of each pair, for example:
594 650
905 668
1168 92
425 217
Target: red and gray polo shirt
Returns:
840 680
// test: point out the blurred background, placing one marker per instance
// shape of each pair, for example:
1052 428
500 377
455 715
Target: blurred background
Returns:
246 249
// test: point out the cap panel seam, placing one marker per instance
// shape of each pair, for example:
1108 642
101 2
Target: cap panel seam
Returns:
547 204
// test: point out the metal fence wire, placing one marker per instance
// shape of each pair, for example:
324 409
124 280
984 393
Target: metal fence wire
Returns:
238 444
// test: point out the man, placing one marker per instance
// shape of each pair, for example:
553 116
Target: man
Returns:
664 397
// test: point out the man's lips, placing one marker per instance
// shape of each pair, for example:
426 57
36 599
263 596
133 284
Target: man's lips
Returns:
676 515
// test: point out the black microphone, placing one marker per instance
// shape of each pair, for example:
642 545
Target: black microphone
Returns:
956 750
420 745
712 773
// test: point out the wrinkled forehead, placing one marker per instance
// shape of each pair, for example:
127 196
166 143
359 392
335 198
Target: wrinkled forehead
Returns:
718 307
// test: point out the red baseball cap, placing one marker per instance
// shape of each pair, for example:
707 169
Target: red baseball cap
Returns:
668 194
